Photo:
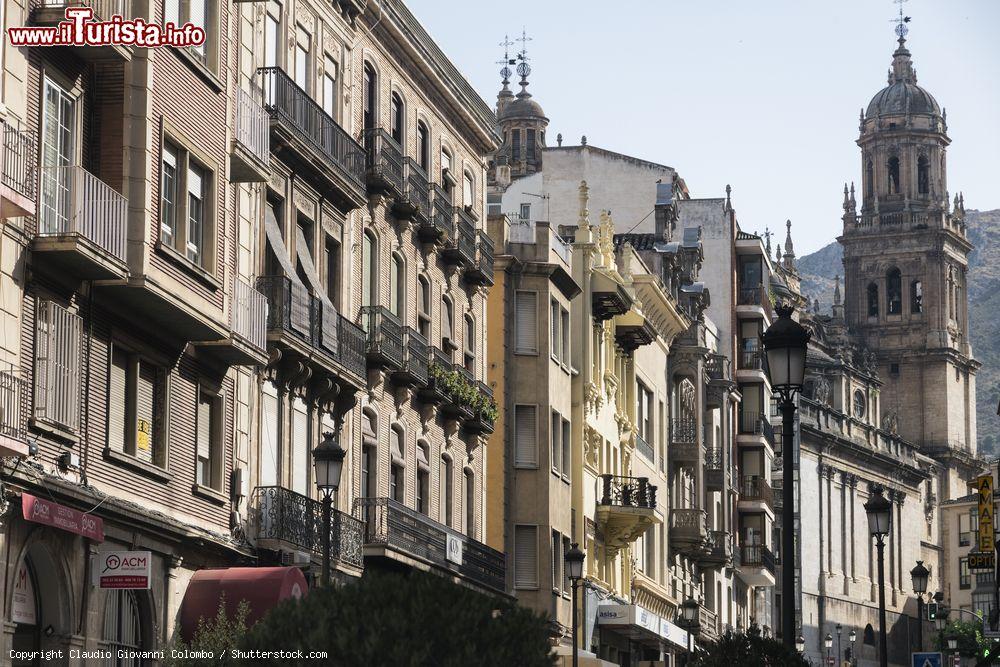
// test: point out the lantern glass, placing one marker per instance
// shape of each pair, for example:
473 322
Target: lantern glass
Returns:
919 575
785 343
328 463
574 562
800 643
689 611
879 512
828 641
853 636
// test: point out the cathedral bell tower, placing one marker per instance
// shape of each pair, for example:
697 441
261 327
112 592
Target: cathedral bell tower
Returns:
521 121
905 265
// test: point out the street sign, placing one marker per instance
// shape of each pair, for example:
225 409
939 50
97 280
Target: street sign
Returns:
122 569
985 485
927 660
979 561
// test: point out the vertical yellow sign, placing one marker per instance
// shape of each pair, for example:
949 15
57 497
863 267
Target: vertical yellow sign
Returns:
985 486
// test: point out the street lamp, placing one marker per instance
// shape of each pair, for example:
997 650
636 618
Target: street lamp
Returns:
785 344
952 640
828 643
800 644
919 575
852 636
574 569
328 463
879 512
840 654
689 614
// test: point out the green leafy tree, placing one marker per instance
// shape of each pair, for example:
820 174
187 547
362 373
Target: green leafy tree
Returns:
215 635
970 638
747 648
407 621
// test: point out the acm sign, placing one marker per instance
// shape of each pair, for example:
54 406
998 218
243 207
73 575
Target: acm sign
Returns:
122 569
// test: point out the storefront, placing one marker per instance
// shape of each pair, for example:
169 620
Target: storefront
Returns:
629 633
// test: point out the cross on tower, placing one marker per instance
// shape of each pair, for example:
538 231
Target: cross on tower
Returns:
524 39
901 29
507 61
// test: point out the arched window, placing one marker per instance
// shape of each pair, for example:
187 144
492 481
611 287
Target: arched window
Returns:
447 325
369 453
468 190
397 466
894 292
423 476
424 307
869 178
469 342
893 168
923 175
470 503
872 300
423 147
396 118
446 175
869 637
122 626
397 285
369 268
447 490
916 297
370 97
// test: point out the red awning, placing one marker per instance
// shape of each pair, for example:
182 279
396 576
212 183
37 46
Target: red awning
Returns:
261 587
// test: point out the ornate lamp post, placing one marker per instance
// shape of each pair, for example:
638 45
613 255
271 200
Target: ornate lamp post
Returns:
919 575
840 654
785 344
800 644
574 569
828 643
879 512
689 615
852 637
328 463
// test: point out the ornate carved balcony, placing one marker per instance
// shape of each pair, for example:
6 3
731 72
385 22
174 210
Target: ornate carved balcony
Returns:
413 369
312 142
461 251
718 368
415 202
481 272
625 509
283 520
18 178
437 229
684 446
383 163
632 331
608 298
688 532
720 550
385 338
396 532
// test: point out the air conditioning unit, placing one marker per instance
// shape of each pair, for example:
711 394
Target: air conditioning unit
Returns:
294 558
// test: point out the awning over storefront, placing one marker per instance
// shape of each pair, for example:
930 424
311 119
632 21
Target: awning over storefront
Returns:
261 587
640 624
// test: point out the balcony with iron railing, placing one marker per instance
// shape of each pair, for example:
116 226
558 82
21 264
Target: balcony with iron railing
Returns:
51 13
311 141
81 225
19 177
481 272
751 356
13 413
413 368
625 509
483 419
715 471
246 344
438 227
458 404
688 531
439 363
752 296
396 532
684 446
754 492
250 157
385 338
415 202
384 163
757 557
751 422
281 519
461 250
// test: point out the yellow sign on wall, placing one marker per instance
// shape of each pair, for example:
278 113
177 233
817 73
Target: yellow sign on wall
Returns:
984 484
142 433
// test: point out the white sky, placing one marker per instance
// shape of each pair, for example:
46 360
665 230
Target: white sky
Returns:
763 95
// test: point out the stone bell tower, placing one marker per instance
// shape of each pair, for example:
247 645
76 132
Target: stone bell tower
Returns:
905 266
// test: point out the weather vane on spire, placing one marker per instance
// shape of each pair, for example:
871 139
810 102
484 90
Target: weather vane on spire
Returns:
523 68
901 29
505 72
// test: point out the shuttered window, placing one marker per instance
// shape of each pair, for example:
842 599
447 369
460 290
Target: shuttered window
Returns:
525 556
526 322
269 436
204 419
136 407
145 398
525 435
300 447
57 364
117 409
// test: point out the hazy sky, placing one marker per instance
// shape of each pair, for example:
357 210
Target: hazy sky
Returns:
763 95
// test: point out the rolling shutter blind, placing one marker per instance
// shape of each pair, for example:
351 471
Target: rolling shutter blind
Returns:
525 556
57 360
269 436
204 419
526 435
116 401
526 326
300 447
144 402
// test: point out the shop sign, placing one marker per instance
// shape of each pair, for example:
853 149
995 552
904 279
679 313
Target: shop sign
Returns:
23 607
454 550
53 514
985 486
122 569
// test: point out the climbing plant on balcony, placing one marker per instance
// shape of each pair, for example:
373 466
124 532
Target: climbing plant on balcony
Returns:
461 391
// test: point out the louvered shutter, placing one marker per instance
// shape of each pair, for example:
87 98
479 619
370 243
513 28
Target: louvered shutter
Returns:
204 419
526 322
525 435
300 447
525 557
116 400
145 397
269 436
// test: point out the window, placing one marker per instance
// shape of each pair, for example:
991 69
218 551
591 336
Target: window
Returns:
300 446
331 259
57 366
860 404
271 22
303 42
526 322
557 561
136 417
515 145
869 178
468 191
469 342
210 458
330 87
424 307
196 12
556 337
397 285
894 292
423 147
965 524
396 118
644 419
122 626
649 555
564 318
530 148
916 297
525 212
470 504
369 260
872 300
964 577
447 489
567 443
369 455
447 180
423 477
525 436
397 469
269 441
180 172
983 602
370 110
923 175
447 330
525 556
59 138
555 441
893 174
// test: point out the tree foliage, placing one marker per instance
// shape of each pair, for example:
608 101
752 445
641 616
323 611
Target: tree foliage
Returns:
969 635
747 648
413 620
215 635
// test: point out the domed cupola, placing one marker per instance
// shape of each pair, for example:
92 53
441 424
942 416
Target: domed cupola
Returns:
902 96
522 121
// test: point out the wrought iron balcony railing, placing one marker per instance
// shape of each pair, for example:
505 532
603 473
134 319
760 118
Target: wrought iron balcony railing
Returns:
683 430
384 162
751 296
13 399
415 203
627 491
280 515
75 202
352 347
751 422
757 555
385 337
462 249
302 118
413 369
248 314
755 487
751 357
19 159
393 525
438 226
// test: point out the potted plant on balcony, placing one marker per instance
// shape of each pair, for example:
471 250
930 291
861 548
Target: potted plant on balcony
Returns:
434 393
460 395
484 416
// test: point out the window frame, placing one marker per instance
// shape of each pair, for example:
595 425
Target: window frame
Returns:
217 464
532 462
397 118
160 435
425 308
177 247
